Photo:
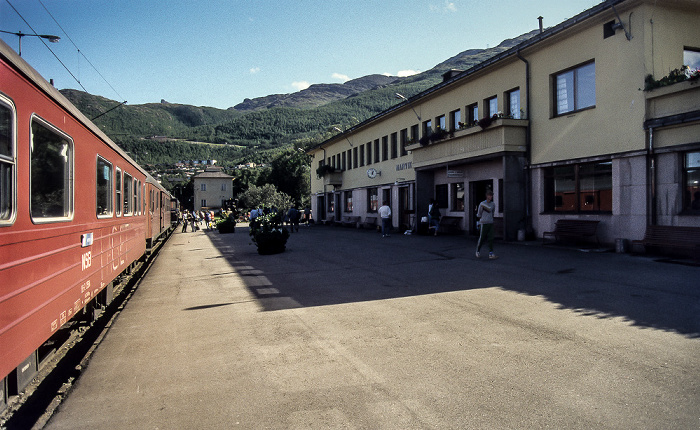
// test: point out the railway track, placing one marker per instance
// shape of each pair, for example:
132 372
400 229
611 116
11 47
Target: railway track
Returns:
68 352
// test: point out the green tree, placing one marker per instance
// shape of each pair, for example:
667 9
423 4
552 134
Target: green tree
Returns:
289 173
265 196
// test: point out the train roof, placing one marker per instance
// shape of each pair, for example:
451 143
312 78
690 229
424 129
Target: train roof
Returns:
12 58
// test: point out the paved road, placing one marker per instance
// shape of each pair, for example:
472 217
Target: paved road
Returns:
349 330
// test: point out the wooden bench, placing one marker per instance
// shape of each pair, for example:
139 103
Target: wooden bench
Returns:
450 224
573 229
370 222
686 239
328 221
351 221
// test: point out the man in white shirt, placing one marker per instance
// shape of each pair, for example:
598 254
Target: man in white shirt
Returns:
385 214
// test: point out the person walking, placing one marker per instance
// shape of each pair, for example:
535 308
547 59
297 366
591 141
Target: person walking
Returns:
485 214
293 218
185 221
385 214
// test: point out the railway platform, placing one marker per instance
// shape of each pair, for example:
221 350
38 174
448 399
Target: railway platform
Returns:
347 329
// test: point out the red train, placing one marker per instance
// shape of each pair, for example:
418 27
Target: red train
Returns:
75 212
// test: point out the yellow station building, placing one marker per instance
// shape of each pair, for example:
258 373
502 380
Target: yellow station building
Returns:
572 123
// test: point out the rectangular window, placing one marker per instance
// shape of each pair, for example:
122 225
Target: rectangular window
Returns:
51 172
491 107
513 100
7 160
691 174
385 148
691 58
414 133
203 187
127 194
118 192
579 188
574 89
455 119
376 151
369 153
372 200
458 197
343 163
440 122
104 188
349 152
427 128
354 158
223 187
348 201
472 114
394 145
204 203
404 141
362 155
331 203
136 197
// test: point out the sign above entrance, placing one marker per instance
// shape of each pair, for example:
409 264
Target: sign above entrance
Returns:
455 174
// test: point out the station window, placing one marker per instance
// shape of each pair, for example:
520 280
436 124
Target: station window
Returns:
574 89
472 114
118 192
348 201
7 161
491 107
404 141
394 145
127 194
691 173
579 188
513 101
104 187
385 148
372 200
455 119
457 196
51 172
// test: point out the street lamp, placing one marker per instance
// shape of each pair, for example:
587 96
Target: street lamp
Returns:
402 97
51 38
341 131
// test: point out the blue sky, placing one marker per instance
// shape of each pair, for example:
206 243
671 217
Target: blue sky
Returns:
219 52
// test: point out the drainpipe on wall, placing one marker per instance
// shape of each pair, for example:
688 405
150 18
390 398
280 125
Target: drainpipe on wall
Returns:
528 139
651 172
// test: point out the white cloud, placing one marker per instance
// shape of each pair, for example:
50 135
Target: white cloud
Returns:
340 77
404 73
254 70
301 85
448 6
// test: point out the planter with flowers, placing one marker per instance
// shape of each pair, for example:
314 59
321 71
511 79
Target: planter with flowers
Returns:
269 234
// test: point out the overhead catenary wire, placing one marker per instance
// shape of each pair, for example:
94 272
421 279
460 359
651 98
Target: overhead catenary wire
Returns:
79 51
47 46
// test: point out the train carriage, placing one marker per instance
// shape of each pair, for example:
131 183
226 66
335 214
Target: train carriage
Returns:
75 212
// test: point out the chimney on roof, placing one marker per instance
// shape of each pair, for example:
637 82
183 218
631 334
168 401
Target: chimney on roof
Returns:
450 74
540 18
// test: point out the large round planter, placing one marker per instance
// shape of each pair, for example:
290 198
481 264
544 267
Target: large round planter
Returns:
271 243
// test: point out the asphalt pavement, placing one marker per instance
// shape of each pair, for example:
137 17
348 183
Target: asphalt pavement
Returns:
349 330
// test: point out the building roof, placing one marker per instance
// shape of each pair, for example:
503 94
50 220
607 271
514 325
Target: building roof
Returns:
213 173
512 52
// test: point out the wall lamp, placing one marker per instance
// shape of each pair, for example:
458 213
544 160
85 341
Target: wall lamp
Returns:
341 131
402 97
51 38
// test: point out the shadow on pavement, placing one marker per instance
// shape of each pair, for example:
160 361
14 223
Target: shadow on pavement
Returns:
334 265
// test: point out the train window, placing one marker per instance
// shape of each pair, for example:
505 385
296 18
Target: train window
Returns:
136 197
7 161
118 190
104 188
51 172
127 194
